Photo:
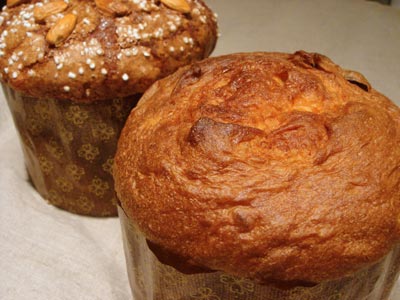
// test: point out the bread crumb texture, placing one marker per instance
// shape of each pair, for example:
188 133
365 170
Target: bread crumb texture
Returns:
88 50
276 167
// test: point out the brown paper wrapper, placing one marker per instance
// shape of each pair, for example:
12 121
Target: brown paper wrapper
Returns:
152 280
69 149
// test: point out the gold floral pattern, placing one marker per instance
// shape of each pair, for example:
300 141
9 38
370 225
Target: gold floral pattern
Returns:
75 172
68 148
54 149
42 110
88 152
170 276
64 184
76 115
104 212
103 132
84 204
118 109
117 105
71 205
108 165
337 296
114 201
205 294
98 187
65 135
34 126
55 198
45 164
237 285
144 266
300 293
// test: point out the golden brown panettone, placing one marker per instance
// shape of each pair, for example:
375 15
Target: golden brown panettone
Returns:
276 167
89 50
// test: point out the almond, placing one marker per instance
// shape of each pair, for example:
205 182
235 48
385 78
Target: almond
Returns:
51 8
115 8
179 5
103 5
119 9
12 3
61 30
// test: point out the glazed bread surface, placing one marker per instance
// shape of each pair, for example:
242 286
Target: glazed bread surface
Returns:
276 167
92 50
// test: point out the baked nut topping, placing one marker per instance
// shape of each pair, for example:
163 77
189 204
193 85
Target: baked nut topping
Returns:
40 13
12 3
118 45
113 7
179 5
61 30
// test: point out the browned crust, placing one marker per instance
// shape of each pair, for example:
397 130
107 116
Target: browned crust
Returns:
265 165
105 54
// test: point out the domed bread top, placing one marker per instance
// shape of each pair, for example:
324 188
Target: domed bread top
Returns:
88 50
276 167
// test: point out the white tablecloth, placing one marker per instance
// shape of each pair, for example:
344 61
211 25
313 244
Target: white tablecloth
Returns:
46 253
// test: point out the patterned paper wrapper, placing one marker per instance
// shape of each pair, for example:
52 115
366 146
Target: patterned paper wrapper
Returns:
152 280
69 148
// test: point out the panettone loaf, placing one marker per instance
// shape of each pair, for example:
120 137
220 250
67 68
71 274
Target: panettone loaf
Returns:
276 167
92 50
72 70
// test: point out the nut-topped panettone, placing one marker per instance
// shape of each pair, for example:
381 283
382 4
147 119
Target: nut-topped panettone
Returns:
277 168
71 72
90 50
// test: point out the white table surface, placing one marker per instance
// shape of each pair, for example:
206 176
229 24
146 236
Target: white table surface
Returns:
46 253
